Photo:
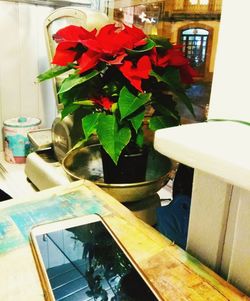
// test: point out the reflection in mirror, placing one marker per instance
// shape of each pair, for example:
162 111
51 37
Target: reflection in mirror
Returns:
25 55
84 263
192 23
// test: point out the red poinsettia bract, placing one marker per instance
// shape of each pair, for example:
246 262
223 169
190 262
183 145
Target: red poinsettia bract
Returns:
104 102
135 73
187 74
174 57
88 60
109 45
65 53
73 33
171 57
68 39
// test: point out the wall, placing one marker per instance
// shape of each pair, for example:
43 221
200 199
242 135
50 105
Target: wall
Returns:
23 57
230 89
229 100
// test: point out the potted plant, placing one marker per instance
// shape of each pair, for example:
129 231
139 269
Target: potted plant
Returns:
115 74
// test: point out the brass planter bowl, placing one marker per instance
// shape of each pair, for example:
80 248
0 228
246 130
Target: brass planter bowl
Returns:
86 163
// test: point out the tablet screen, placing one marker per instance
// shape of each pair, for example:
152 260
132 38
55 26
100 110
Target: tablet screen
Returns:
86 263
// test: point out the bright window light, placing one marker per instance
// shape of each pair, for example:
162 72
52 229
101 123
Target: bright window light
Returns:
199 2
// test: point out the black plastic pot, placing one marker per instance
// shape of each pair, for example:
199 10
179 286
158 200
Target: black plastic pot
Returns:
131 166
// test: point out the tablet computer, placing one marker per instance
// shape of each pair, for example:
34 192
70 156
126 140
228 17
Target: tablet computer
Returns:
82 259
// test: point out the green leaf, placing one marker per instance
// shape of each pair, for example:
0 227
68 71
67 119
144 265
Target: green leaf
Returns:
164 110
67 97
85 102
160 41
150 45
186 100
69 109
140 138
53 72
172 78
76 79
89 124
159 122
128 103
112 138
137 120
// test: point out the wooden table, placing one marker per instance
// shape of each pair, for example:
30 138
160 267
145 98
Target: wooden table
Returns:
173 273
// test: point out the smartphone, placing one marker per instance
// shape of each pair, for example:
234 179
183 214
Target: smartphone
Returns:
82 259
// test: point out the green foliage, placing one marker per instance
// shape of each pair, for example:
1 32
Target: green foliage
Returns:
137 119
112 137
161 42
76 79
89 124
140 138
159 122
172 78
128 103
150 45
53 72
113 84
69 109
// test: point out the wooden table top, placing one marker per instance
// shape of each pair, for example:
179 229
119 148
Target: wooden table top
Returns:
173 273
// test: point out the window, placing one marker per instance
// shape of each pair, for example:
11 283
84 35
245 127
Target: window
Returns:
194 42
199 2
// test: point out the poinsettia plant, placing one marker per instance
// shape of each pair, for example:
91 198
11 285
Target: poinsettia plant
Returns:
115 74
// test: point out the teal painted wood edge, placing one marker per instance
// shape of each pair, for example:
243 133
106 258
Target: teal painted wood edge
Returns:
16 222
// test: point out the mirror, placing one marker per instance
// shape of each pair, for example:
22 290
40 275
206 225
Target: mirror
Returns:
25 54
192 23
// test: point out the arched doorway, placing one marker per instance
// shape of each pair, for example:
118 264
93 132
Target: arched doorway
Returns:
196 40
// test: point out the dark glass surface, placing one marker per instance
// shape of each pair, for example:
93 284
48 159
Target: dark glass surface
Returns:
85 263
